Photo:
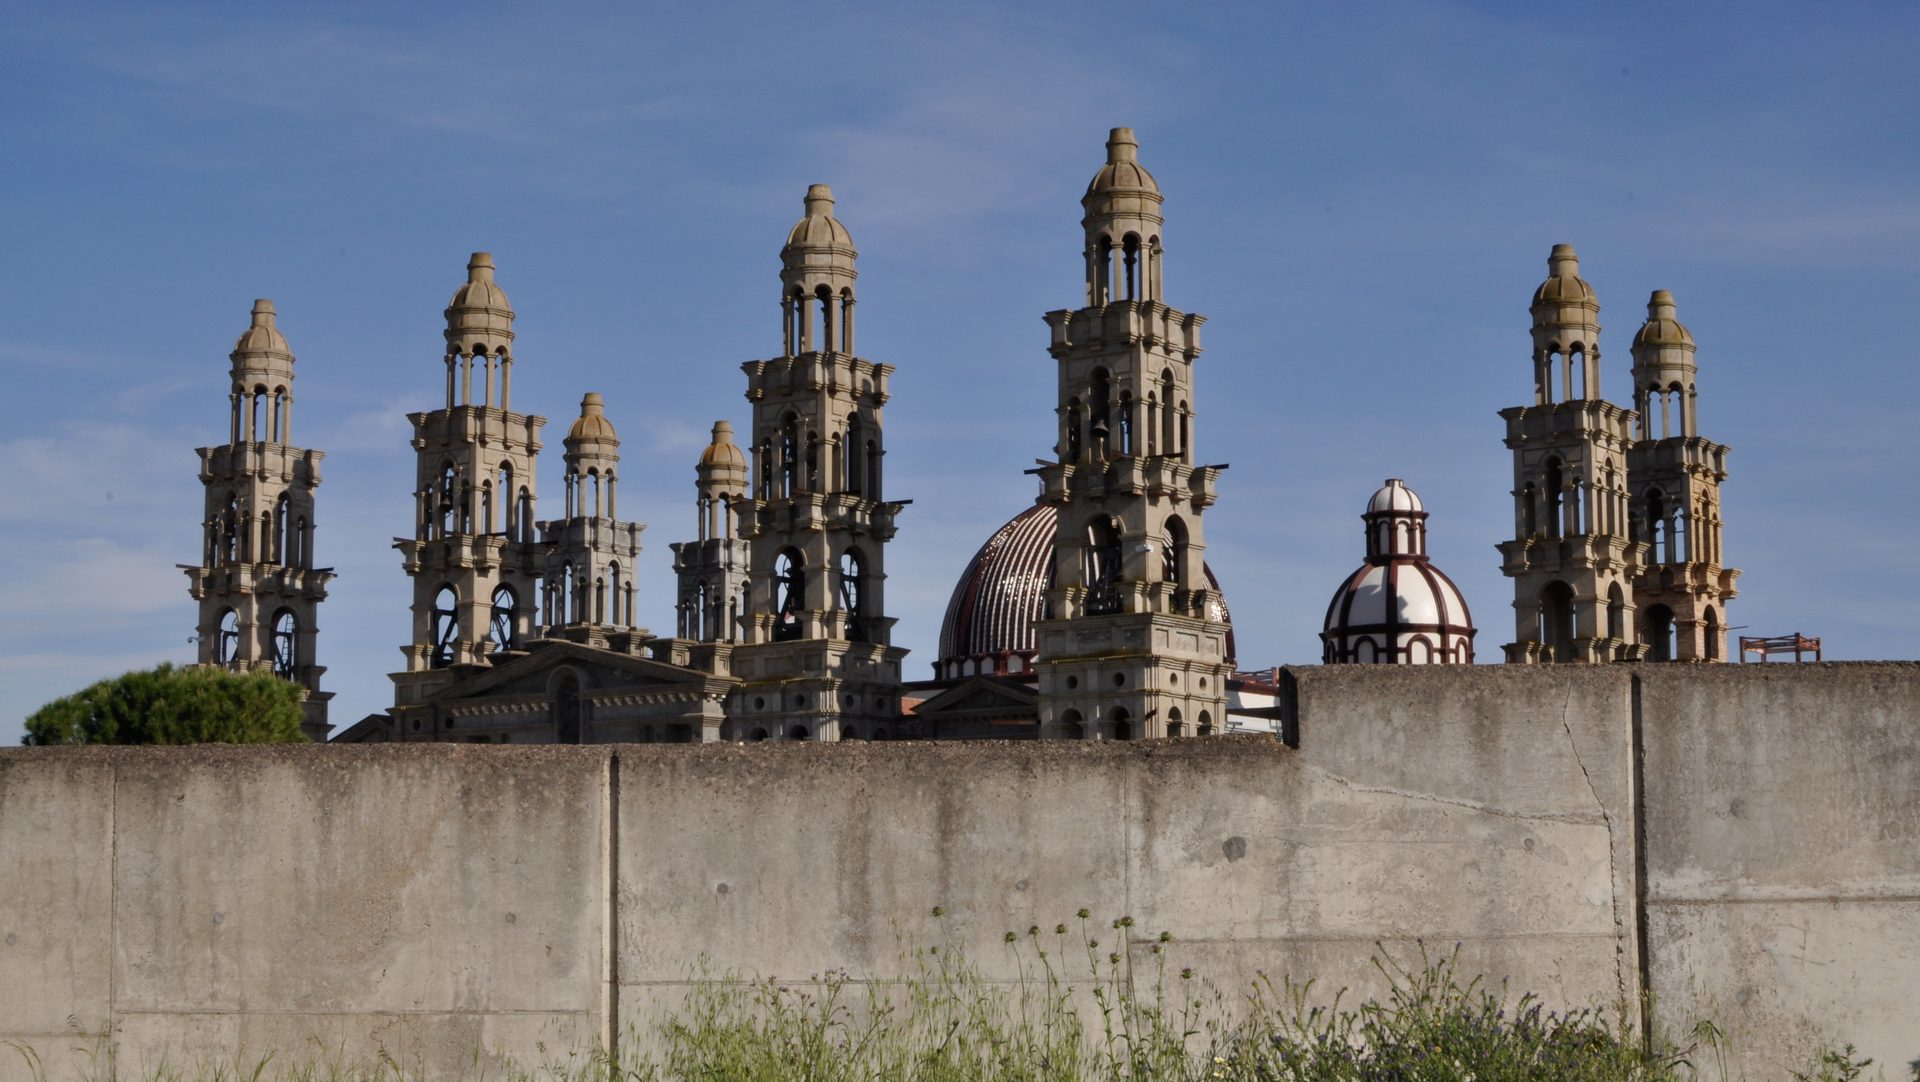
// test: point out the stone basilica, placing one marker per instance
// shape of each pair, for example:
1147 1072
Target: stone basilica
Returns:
1091 615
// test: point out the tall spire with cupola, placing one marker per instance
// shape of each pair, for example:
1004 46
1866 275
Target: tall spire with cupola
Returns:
1135 643
1573 557
588 557
1682 589
474 557
816 647
258 588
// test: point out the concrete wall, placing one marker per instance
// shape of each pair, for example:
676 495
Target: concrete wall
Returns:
1744 840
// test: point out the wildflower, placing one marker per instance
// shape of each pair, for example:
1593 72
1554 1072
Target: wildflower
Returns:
1084 913
1009 938
1113 959
1059 929
1125 922
939 910
1187 975
1166 937
1033 929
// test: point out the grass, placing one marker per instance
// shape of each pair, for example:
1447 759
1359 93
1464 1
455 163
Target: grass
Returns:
1079 1011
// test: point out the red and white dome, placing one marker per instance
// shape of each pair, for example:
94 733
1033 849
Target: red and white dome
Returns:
1398 607
989 623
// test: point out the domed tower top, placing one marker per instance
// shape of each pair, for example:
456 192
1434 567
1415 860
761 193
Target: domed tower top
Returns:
262 360
816 279
1564 307
479 319
819 251
1123 226
1396 523
722 466
1663 347
1664 368
1566 331
591 444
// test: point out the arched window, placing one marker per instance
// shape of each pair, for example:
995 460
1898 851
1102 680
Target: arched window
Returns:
1130 254
502 623
447 504
1661 633
1205 725
1556 622
1553 483
1173 561
1175 728
285 634
850 454
230 530
302 543
1102 572
226 638
789 455
446 627
1122 723
1659 529
486 507
1168 446
509 517
619 608
813 462
1616 613
526 514
1126 423
1072 727
797 732
790 588
283 546
1099 406
853 589
1712 630
1073 430
697 620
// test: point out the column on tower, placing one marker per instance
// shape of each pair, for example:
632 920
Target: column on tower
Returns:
589 556
1681 591
1135 645
1572 558
711 570
258 588
474 557
815 640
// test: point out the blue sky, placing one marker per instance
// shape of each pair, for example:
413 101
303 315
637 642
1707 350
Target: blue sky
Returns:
1360 197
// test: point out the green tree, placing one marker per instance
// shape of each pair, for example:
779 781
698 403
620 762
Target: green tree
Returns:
169 705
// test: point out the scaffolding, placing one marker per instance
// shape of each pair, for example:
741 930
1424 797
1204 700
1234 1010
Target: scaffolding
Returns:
1796 644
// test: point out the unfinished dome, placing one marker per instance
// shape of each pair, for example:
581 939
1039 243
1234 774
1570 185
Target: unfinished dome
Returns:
1397 608
989 623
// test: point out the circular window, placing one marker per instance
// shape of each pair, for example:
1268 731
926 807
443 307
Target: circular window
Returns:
1072 682
1119 679
800 702
1173 678
416 725
1203 683
759 703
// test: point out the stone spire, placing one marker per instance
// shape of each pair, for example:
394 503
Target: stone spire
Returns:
589 556
712 568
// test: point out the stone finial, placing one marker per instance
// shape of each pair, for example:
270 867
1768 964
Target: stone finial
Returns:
1563 263
480 267
819 201
722 432
1661 306
263 313
1122 146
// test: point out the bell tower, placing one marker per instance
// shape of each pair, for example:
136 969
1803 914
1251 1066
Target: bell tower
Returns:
1134 644
589 556
258 589
474 552
712 569
1572 558
816 653
1682 590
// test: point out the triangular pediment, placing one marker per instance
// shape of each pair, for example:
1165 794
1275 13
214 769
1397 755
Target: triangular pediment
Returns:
984 695
603 670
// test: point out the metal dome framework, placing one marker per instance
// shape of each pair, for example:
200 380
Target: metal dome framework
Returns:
988 627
